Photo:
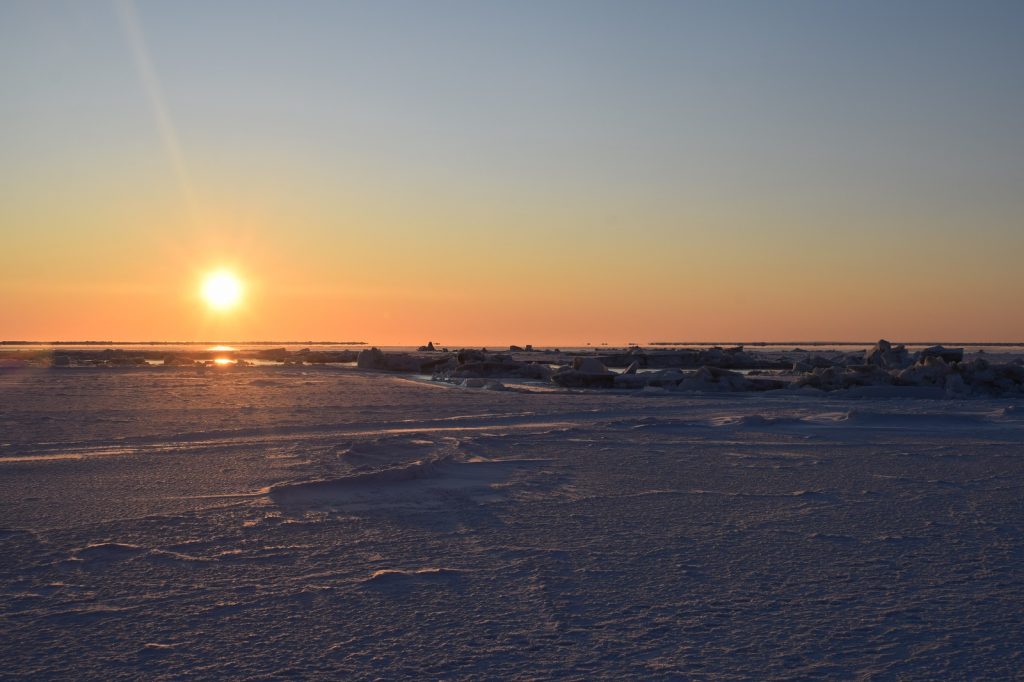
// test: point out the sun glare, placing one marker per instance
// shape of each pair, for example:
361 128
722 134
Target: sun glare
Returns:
222 290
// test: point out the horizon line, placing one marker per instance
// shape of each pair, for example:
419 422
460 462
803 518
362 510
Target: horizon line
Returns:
581 345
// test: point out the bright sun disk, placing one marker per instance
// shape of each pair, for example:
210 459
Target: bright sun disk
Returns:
222 290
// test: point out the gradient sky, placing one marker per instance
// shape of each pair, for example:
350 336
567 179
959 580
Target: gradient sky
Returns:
518 172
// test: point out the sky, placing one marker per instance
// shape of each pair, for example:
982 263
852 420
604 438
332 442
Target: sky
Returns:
481 172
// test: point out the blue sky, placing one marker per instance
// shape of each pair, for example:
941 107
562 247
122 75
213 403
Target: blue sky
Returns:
866 141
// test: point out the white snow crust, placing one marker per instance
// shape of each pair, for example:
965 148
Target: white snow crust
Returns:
309 522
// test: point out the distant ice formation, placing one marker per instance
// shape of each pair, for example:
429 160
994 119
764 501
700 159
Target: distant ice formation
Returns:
885 369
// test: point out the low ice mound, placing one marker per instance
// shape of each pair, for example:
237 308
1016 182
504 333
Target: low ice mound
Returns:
949 355
394 577
585 373
899 420
754 421
649 422
891 392
430 482
660 424
478 364
158 647
714 379
175 558
887 356
327 489
828 418
1012 412
387 451
108 552
860 419
664 379
374 358
815 495
486 384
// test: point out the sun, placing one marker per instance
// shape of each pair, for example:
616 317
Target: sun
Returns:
222 290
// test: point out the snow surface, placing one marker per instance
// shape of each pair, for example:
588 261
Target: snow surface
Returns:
269 522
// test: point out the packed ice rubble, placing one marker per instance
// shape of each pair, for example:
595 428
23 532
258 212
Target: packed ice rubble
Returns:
935 367
883 369
938 370
470 367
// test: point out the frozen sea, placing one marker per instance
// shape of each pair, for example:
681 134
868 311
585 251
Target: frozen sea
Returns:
329 523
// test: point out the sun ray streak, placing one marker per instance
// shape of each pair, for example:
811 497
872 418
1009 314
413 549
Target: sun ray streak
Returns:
154 92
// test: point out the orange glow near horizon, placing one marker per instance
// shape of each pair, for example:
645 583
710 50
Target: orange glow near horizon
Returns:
365 292
399 277
711 181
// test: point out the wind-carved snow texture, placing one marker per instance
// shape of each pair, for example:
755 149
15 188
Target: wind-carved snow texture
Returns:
288 522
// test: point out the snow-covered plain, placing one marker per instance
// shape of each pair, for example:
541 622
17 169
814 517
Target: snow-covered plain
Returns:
269 522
